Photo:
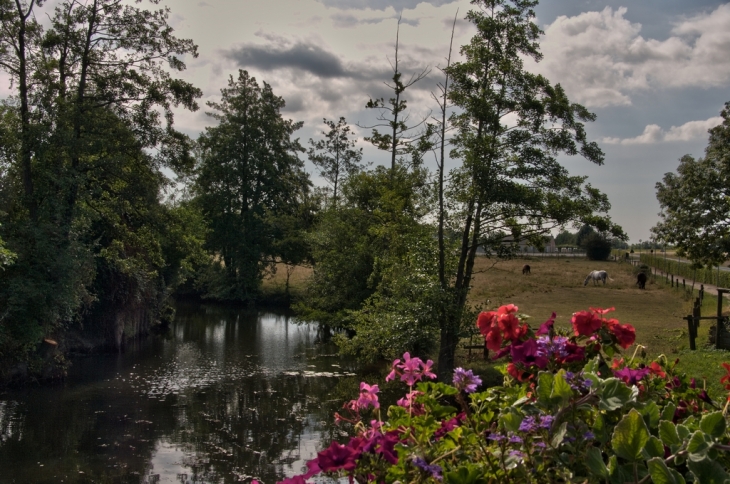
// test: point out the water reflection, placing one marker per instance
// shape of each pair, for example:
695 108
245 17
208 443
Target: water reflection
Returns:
227 396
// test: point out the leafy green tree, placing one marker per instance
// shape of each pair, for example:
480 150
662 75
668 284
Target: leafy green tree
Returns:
597 246
90 128
583 234
248 175
335 156
694 202
565 238
511 125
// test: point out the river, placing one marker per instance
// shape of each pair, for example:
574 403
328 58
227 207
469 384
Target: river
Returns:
227 396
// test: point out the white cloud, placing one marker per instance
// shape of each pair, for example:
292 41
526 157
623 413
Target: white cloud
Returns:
601 58
653 133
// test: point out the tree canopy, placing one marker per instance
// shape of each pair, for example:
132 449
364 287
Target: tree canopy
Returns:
695 201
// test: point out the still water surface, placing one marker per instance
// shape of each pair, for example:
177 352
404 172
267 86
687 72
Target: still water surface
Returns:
227 396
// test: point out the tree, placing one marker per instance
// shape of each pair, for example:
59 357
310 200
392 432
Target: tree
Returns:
695 201
511 125
89 131
566 238
248 175
402 137
335 156
583 234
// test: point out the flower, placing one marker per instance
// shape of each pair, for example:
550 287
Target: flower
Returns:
546 421
368 396
656 369
294 480
585 323
449 425
630 376
411 370
409 402
602 311
433 469
336 457
465 380
528 424
624 333
547 325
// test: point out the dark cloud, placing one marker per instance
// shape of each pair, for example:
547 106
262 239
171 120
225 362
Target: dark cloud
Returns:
398 5
306 57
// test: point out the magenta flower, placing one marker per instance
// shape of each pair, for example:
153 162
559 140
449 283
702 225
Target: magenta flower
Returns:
294 480
336 457
546 326
466 380
630 376
368 396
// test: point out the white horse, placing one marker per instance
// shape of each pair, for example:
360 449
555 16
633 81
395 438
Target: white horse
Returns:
597 276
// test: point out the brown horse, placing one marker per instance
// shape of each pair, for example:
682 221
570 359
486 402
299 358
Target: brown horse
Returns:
525 269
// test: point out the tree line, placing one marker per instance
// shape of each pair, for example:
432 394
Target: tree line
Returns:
97 235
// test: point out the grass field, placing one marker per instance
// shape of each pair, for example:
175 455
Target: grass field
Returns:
556 284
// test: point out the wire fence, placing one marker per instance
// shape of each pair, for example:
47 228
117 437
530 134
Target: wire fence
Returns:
684 269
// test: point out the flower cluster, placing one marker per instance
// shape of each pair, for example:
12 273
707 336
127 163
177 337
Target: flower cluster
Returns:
569 414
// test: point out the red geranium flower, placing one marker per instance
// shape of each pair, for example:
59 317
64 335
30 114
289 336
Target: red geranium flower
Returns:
507 309
485 321
509 325
585 323
624 333
602 311
656 369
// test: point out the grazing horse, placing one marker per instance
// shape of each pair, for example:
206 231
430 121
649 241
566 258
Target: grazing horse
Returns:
525 269
641 280
597 276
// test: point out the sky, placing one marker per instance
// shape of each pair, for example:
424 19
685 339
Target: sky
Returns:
655 72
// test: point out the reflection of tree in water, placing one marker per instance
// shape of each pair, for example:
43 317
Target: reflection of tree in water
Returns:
202 399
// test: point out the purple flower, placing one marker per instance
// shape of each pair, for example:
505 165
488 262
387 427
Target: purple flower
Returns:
528 425
433 469
516 453
515 439
546 421
630 376
466 380
589 435
496 437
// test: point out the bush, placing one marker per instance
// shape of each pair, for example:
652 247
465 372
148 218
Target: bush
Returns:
597 247
569 411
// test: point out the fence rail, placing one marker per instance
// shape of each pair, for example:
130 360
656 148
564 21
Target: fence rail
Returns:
684 270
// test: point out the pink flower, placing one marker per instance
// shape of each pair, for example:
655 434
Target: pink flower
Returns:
410 370
546 326
602 311
368 396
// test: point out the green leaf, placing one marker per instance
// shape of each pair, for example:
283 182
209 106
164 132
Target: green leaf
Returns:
708 471
668 412
600 429
650 412
559 434
683 431
630 436
469 474
660 473
668 433
594 461
592 366
698 446
677 476
713 424
544 387
654 448
511 420
561 389
614 394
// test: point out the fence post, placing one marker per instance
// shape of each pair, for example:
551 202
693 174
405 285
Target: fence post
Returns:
690 330
719 327
702 293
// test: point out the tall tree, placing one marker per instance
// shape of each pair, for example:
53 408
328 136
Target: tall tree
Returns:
695 201
511 126
401 136
249 173
335 156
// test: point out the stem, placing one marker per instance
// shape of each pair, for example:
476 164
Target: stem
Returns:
637 349
452 451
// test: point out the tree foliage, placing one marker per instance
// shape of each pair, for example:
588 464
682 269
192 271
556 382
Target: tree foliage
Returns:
695 206
249 175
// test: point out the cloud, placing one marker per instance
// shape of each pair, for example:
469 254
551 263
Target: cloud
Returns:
398 5
302 56
653 133
601 58
346 20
